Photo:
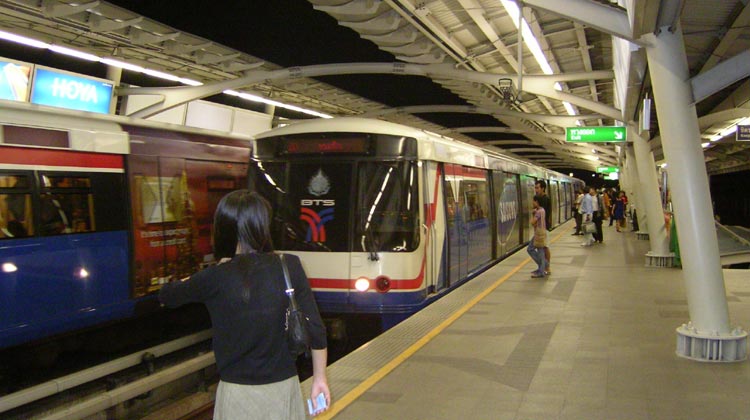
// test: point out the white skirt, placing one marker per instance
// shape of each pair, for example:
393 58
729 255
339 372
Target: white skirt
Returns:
276 401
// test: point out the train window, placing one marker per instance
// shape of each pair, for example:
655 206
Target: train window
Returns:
16 216
66 204
387 207
66 213
50 181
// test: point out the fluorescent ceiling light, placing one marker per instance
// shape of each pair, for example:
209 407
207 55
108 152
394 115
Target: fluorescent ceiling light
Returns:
533 45
23 40
256 98
729 130
154 73
122 65
73 53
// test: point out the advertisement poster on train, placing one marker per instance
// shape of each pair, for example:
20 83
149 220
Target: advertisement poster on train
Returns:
14 80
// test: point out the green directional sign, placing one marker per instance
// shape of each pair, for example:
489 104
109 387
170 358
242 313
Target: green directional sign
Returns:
595 134
607 169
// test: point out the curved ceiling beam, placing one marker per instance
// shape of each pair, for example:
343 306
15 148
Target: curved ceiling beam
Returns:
553 136
558 120
175 96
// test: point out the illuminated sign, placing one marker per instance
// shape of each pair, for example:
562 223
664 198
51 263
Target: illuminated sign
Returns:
65 90
743 133
14 80
607 169
324 146
595 134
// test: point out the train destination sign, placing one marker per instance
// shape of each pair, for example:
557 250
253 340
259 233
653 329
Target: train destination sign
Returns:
595 134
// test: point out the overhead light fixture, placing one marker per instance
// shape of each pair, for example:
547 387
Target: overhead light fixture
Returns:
73 53
533 45
729 130
138 69
23 40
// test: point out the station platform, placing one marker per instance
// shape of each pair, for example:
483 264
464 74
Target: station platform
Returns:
594 340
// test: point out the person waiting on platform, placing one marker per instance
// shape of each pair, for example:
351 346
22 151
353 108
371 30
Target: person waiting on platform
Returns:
619 215
245 297
536 246
540 189
577 213
598 211
587 223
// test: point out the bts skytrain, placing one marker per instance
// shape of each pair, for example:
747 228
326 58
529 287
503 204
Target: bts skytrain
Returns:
387 218
96 212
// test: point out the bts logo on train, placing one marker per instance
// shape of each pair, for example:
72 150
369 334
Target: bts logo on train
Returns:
319 185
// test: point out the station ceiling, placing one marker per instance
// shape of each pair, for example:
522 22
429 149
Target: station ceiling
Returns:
219 41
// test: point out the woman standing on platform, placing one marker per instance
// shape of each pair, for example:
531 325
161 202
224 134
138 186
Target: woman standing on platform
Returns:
620 204
245 297
539 241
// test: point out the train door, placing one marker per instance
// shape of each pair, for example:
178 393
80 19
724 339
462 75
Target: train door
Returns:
475 193
506 193
432 233
554 197
527 195
456 225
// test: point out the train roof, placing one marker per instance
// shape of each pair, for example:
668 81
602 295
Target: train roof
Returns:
431 145
81 124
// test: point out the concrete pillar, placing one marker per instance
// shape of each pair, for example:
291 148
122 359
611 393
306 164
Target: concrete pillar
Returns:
634 194
651 203
708 336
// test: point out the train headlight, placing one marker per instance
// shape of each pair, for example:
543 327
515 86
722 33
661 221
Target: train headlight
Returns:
383 284
362 284
9 268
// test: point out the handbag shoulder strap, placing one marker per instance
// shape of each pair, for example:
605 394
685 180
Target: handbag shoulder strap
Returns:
289 289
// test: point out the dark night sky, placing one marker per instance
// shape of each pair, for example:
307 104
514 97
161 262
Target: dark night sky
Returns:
287 33
291 33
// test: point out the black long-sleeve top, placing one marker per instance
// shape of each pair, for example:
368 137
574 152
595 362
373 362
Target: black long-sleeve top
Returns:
246 300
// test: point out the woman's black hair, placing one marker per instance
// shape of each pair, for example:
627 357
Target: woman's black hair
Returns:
242 217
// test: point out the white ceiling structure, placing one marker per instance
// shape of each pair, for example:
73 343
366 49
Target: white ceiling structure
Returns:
440 37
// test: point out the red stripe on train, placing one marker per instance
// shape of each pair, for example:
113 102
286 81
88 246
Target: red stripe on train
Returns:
396 284
44 157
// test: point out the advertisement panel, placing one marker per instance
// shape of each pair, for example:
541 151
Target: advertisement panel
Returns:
14 80
66 90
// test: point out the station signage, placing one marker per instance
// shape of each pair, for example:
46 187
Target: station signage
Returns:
595 134
14 80
743 133
607 169
66 90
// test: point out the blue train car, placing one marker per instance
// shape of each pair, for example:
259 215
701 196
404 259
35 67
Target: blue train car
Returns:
97 212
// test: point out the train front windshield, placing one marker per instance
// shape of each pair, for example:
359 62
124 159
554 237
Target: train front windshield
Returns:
340 204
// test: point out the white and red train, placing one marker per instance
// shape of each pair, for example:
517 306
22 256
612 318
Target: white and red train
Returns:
387 218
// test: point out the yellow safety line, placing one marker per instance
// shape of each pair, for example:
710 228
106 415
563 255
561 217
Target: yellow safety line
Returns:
360 389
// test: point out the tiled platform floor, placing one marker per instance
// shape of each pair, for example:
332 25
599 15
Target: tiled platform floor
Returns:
595 340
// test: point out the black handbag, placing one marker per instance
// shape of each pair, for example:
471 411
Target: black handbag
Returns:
297 324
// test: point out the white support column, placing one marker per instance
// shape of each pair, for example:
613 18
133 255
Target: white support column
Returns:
708 336
634 195
659 256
